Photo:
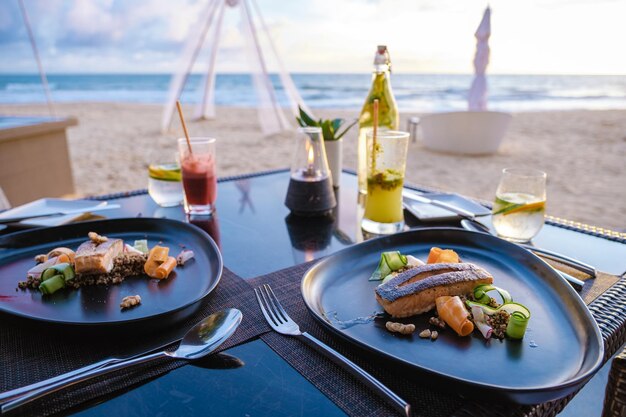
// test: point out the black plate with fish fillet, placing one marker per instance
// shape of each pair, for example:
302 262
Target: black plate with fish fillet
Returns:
561 350
99 305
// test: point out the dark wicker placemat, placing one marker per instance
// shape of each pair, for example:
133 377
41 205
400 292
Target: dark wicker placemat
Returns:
609 310
31 353
25 361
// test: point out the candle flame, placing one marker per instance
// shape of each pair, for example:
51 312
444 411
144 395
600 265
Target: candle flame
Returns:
311 155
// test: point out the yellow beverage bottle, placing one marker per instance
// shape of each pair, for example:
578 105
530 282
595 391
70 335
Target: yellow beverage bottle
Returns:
388 116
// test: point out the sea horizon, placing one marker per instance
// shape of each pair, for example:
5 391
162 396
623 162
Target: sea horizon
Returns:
418 92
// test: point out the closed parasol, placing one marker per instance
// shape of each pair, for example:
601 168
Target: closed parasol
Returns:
477 98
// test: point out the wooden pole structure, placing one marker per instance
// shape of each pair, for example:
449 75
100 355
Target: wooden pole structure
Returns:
42 74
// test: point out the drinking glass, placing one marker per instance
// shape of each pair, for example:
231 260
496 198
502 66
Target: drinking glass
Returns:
164 184
199 179
386 164
520 205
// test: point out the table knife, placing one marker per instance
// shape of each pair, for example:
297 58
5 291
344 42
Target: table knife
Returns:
16 219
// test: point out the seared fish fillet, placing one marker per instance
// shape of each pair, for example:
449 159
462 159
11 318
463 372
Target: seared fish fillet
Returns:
92 258
415 290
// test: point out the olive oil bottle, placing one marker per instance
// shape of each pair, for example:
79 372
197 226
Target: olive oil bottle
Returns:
388 116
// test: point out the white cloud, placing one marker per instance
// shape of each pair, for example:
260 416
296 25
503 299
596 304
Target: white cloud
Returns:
531 36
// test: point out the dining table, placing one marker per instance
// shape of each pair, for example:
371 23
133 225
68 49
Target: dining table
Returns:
262 373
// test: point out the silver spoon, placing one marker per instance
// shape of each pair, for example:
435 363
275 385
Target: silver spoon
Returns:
577 284
199 341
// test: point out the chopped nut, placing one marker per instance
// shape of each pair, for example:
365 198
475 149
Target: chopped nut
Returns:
41 258
425 334
400 328
434 335
130 301
96 238
436 321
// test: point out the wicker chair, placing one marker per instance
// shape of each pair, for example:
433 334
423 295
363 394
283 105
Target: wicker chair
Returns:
615 396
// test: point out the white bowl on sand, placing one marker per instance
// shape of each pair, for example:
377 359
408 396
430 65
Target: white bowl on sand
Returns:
465 132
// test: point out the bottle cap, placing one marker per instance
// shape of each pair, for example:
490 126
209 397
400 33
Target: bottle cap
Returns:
382 56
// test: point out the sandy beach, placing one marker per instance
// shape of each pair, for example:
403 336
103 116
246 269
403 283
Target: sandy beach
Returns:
583 152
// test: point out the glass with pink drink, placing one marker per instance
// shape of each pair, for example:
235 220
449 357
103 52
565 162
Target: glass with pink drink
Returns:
199 179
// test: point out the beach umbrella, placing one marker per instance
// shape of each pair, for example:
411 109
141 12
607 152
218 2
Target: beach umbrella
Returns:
477 98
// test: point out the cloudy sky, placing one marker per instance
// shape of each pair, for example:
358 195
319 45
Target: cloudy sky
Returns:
529 36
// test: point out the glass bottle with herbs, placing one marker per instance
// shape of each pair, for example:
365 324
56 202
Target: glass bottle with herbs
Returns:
388 116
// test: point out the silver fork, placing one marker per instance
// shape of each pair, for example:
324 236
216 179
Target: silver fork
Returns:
280 321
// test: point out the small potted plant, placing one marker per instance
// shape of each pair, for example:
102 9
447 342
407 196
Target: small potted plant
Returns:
333 141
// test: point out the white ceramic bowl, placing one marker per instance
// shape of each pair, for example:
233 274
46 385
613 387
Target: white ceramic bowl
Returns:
465 132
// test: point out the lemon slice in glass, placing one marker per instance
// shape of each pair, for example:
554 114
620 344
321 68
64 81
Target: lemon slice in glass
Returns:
165 172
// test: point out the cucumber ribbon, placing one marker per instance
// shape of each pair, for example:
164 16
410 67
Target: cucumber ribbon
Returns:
389 262
51 285
481 296
518 320
142 246
55 277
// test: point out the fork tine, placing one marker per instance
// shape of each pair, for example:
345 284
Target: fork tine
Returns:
269 318
277 303
272 305
271 310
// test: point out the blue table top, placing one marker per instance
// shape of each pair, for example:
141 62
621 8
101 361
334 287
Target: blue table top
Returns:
256 237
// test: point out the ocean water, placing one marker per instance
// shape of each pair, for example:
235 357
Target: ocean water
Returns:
414 92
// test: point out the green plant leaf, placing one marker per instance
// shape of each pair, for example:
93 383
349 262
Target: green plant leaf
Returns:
340 135
327 130
308 120
337 124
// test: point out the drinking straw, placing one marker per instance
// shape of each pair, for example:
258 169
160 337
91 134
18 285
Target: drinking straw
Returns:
374 134
182 121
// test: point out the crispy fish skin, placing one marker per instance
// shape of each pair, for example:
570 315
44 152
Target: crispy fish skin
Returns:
415 290
93 258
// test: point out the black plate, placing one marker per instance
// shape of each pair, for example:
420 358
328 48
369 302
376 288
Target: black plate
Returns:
561 350
100 305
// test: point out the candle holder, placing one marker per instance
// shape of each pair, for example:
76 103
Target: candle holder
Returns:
310 191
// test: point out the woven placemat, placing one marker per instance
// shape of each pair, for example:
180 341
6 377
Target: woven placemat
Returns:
25 361
33 353
356 399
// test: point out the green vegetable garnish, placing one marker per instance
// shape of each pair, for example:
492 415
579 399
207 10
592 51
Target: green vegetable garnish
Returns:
142 246
518 320
63 269
481 296
52 285
517 325
508 307
389 262
48 273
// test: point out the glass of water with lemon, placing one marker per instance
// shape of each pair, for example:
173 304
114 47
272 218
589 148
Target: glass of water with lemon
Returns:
164 184
520 205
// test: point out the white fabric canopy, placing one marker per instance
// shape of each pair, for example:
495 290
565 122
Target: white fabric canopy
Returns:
477 97
270 114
